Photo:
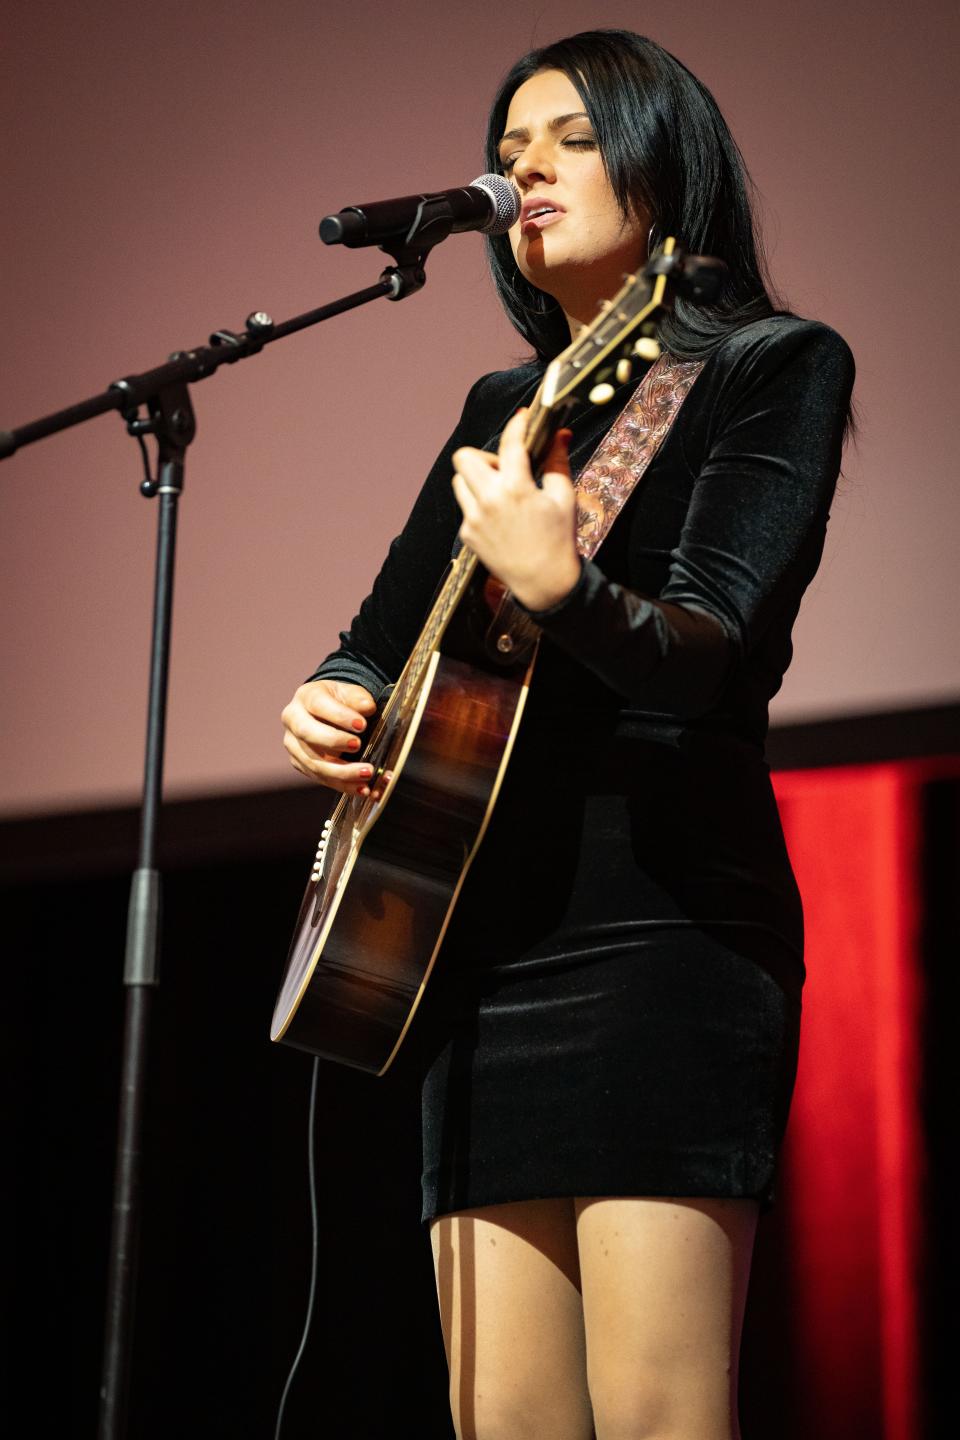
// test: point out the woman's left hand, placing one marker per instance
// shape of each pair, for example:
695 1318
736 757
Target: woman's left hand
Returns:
525 534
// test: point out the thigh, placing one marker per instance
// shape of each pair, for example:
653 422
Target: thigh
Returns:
508 1284
664 1285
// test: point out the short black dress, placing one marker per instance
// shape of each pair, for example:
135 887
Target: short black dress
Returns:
615 1008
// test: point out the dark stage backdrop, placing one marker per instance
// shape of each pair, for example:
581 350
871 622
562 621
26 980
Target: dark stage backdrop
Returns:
846 1331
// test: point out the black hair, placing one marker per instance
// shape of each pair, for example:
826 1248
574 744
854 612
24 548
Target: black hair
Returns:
666 147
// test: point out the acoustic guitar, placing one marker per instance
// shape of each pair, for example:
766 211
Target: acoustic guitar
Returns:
389 867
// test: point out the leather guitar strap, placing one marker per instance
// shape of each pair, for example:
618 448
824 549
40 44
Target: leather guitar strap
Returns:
623 456
606 483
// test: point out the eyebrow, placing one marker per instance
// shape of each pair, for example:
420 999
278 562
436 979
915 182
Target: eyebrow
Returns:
522 133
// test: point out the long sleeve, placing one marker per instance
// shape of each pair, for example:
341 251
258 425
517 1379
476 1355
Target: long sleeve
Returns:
751 537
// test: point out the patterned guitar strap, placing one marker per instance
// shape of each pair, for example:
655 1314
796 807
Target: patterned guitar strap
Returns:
608 479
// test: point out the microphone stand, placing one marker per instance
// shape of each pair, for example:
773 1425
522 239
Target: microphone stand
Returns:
170 418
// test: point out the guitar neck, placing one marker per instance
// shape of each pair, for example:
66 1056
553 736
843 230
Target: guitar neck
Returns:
542 424
448 597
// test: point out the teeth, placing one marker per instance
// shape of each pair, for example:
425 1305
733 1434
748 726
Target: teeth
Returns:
541 210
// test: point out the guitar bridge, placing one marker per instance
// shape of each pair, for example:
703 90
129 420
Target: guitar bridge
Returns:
316 874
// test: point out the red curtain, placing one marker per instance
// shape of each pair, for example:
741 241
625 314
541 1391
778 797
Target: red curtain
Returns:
852 1179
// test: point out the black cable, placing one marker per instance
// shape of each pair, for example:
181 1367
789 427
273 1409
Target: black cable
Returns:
314 1247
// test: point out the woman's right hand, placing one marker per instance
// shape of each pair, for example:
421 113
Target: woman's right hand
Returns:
324 719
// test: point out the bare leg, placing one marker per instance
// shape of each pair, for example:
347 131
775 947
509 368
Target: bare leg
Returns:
508 1283
664 1285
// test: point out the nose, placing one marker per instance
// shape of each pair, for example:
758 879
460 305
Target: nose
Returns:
535 163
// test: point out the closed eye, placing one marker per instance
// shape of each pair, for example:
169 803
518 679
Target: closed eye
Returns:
570 142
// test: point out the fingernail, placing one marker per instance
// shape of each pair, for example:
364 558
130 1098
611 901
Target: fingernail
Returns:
359 724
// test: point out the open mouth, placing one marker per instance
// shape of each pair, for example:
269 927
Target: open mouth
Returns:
537 214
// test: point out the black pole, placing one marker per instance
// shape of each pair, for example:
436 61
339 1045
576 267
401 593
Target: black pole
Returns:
141 966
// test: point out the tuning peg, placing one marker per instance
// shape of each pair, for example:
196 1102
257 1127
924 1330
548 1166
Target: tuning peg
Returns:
647 348
624 370
601 393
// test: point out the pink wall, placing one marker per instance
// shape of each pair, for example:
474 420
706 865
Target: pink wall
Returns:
164 170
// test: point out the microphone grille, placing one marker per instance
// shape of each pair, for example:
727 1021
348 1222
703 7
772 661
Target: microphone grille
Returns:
506 203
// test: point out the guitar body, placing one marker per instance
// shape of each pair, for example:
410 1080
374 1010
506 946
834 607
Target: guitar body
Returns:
372 922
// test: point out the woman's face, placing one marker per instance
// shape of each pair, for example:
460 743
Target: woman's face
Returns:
579 249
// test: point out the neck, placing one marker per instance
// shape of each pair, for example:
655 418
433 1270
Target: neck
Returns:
580 305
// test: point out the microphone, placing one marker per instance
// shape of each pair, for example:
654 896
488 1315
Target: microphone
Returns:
490 204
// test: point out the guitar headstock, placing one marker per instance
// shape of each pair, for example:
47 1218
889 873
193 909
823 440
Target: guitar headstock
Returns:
625 329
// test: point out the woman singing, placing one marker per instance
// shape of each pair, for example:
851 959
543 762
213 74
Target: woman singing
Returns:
610 1040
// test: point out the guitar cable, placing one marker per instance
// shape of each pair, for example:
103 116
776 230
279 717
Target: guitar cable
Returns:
314 1244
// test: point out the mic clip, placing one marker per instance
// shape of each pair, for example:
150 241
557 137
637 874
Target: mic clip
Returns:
408 275
431 224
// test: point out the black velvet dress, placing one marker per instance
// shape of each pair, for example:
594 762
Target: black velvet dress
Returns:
615 1010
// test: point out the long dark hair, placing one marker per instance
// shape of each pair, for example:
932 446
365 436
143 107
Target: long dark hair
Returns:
667 148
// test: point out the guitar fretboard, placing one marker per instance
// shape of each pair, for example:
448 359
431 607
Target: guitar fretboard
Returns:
451 593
